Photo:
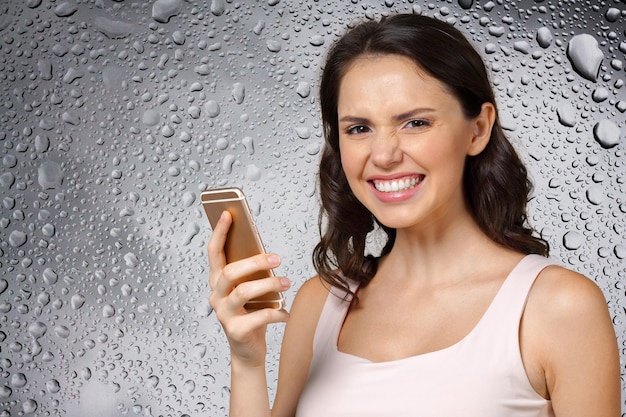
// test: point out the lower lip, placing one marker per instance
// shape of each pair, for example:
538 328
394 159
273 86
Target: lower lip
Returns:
397 196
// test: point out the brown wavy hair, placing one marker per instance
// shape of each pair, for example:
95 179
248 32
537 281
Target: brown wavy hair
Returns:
495 182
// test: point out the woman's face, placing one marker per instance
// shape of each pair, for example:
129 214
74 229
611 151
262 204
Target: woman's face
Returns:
403 140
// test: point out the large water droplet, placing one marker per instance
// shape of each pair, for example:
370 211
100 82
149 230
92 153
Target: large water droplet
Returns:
253 173
607 133
113 29
50 175
218 7
17 238
585 55
573 240
544 37
566 114
595 194
212 108
77 301
65 9
239 92
37 329
164 10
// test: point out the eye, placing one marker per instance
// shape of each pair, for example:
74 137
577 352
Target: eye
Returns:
418 123
355 130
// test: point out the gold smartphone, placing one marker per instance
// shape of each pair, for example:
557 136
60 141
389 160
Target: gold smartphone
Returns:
243 238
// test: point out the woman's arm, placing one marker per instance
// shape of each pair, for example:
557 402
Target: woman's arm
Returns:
297 346
572 335
244 330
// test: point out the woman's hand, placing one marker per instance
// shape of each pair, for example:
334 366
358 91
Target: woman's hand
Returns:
244 329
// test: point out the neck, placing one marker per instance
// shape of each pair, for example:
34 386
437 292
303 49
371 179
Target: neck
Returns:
435 253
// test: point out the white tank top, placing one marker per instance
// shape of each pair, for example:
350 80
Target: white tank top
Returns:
480 376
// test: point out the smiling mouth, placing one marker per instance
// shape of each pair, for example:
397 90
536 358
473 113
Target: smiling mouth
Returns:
400 184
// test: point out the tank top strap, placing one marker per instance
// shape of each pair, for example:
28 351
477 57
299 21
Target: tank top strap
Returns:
331 319
510 301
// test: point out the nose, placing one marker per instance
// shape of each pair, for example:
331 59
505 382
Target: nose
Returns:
385 149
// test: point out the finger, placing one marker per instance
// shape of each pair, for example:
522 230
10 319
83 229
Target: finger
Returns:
232 274
240 327
249 290
215 246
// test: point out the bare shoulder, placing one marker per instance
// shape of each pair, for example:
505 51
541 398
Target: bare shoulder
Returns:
305 312
297 346
310 299
569 346
561 294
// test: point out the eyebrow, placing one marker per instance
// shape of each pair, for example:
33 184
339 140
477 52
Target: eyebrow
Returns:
398 117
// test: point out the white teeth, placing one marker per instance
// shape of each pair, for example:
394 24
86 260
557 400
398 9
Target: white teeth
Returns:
396 185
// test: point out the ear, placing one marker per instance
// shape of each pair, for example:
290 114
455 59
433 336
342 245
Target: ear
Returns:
481 129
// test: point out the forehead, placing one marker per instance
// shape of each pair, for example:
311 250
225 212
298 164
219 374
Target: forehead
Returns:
374 76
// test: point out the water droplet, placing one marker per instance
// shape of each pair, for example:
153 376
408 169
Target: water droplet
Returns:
7 180
303 132
218 7
316 40
595 194
612 14
77 301
544 37
189 386
17 238
108 311
131 260
112 77
192 230
30 406
522 46
585 55
607 133
239 92
53 386
62 331
600 94
573 240
212 108
248 143
227 163
304 89
65 9
50 277
150 117
5 392
253 173
273 45
258 28
50 175
37 329
153 380
566 114
164 10
466 4
113 29
204 309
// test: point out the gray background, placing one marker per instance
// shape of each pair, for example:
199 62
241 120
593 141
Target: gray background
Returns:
115 115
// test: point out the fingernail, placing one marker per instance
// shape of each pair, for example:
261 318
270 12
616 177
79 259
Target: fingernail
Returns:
285 282
273 260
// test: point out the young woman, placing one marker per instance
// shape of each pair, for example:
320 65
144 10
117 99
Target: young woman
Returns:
461 313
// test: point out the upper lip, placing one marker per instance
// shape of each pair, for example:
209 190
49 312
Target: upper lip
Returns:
391 177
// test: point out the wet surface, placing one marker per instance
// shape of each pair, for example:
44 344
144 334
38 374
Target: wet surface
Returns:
115 115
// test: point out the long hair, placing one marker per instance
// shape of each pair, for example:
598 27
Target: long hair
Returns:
496 186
